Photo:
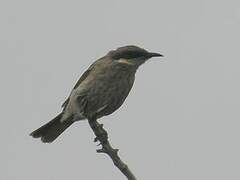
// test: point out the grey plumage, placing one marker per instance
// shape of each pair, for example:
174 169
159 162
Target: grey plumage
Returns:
100 91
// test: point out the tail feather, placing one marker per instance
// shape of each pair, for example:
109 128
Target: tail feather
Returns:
50 131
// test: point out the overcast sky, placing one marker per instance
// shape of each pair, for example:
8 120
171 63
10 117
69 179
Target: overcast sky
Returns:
181 119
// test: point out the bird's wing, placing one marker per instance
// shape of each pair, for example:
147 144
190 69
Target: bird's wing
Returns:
82 78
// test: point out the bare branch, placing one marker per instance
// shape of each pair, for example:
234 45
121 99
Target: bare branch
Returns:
102 137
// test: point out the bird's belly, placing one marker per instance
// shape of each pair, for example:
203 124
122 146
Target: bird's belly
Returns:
107 96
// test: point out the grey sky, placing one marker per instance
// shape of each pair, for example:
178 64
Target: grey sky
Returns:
181 119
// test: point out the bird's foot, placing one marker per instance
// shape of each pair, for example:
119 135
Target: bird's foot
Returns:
101 135
102 138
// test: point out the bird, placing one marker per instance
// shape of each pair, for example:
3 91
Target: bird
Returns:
100 91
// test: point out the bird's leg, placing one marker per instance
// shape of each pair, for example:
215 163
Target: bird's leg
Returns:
99 131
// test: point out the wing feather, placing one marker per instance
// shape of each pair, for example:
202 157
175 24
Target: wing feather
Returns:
82 78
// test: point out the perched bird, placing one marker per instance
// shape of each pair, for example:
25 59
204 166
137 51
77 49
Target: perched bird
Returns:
100 91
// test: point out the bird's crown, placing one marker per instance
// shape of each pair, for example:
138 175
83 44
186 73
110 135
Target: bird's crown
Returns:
128 52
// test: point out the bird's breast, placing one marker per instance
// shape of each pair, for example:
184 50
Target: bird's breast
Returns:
109 91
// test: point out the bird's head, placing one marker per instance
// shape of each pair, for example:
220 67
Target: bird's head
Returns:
131 55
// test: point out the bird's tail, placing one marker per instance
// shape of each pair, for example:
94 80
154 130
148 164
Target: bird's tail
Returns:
50 131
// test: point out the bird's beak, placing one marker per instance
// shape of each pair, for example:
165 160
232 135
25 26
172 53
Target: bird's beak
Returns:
155 55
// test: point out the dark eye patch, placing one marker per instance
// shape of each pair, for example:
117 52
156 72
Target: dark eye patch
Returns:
129 55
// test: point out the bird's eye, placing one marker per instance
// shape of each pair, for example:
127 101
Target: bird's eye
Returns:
128 55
